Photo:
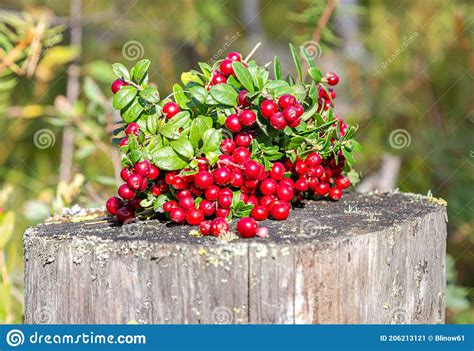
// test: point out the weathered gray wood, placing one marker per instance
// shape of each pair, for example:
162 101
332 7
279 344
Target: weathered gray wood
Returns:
367 259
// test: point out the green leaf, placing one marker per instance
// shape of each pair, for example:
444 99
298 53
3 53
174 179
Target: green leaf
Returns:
151 95
315 73
243 75
135 155
179 96
277 67
132 112
224 94
139 71
170 129
211 140
92 91
198 127
167 159
121 71
124 96
297 59
183 147
151 123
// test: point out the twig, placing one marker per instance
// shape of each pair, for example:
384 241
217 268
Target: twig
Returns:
72 92
253 51
322 23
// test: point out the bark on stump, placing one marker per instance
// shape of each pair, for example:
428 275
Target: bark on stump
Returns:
376 258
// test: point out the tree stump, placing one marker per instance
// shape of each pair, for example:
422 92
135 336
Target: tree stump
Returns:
377 258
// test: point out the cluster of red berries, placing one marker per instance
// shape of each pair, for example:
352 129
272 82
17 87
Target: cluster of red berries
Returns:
206 195
286 112
225 69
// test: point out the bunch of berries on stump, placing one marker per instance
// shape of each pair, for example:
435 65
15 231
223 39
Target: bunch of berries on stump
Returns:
229 146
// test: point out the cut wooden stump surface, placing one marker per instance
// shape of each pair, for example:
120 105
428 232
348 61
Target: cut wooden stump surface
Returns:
376 258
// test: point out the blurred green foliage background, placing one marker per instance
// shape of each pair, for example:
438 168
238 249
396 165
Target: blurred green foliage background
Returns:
404 66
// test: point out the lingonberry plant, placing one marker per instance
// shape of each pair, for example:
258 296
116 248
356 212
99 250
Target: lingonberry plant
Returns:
229 142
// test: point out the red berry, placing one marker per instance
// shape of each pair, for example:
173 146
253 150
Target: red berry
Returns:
169 205
203 179
219 226
313 159
232 123
332 78
322 188
252 169
207 207
290 113
247 118
155 190
295 123
218 78
278 171
301 167
183 193
252 200
134 203
285 193
125 173
277 120
205 227
177 215
186 203
268 201
242 99
222 212
286 100
125 214
313 182
224 201
288 182
153 173
124 141
237 179
234 56
226 191
113 205
268 108
212 193
243 139
281 210
326 175
222 176
125 192
342 182
226 67
132 128
247 227
170 109
227 146
299 109
117 84
169 178
179 183
241 155
259 213
268 186
161 184
134 181
142 168
194 216
335 193
301 185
